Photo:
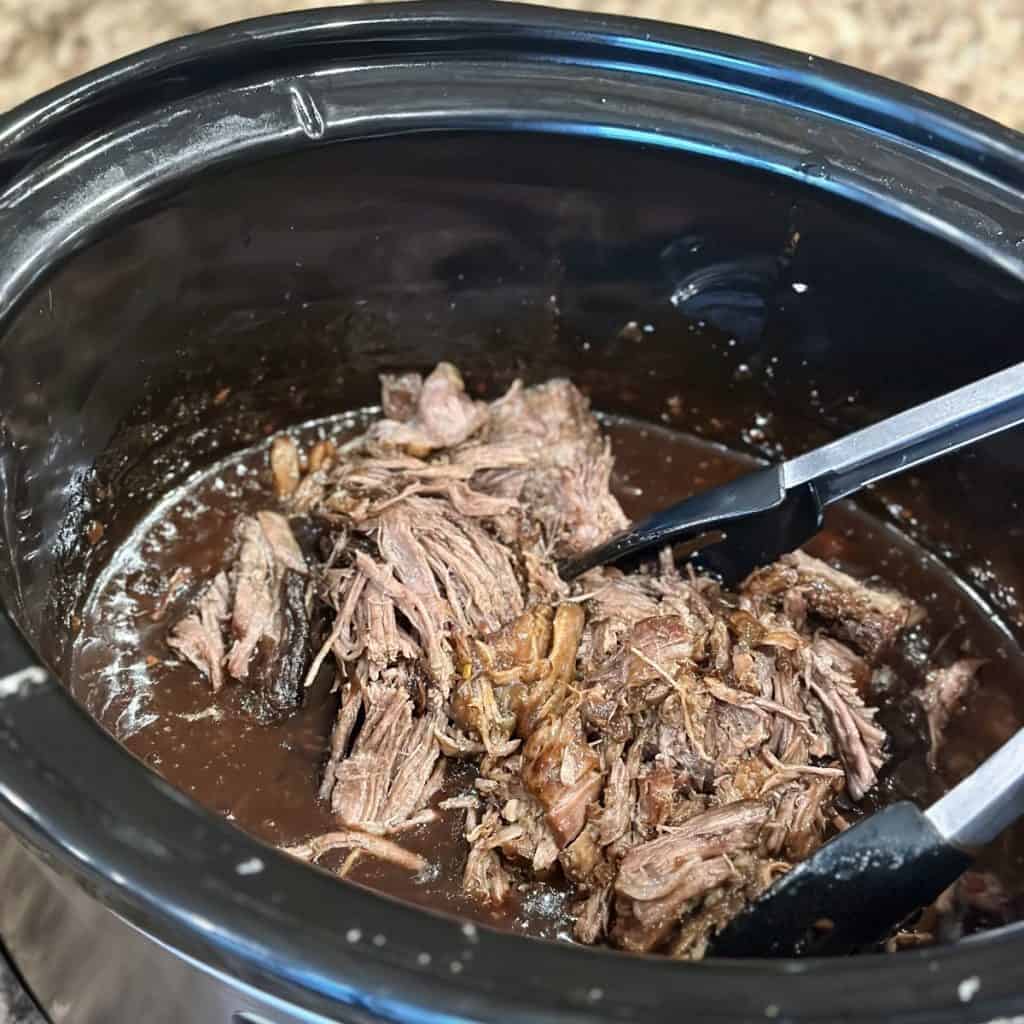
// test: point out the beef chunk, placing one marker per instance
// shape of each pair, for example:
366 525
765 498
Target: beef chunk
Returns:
592 916
400 395
866 617
434 413
388 775
485 878
644 925
285 465
659 867
563 772
943 695
831 674
261 602
566 478
199 636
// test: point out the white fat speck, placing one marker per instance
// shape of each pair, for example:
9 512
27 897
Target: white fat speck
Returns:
771 1011
423 959
252 866
167 530
469 930
379 940
968 988
197 716
427 874
799 287
595 994
353 935
17 684
455 967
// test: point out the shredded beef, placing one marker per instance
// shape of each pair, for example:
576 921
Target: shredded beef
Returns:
662 747
262 605
943 695
199 636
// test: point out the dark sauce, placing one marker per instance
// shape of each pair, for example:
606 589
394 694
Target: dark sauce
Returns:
264 775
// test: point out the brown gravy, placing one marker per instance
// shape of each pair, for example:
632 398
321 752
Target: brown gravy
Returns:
264 776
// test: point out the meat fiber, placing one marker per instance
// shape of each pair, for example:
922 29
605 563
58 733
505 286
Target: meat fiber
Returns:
262 606
663 748
199 636
943 695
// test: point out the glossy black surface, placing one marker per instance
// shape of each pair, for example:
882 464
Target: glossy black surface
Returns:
288 207
738 527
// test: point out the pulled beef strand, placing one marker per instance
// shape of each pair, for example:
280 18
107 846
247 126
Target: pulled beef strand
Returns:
262 605
944 692
665 748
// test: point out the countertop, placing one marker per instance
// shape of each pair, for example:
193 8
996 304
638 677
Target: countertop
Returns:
964 50
16 1007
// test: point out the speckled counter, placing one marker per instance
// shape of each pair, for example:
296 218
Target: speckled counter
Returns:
961 49
16 1007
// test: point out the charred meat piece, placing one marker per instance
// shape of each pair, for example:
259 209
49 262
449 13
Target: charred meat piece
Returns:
279 668
865 617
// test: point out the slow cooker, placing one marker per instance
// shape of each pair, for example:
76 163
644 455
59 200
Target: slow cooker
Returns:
289 205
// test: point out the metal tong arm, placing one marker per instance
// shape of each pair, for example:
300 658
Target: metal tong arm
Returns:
832 472
990 799
910 438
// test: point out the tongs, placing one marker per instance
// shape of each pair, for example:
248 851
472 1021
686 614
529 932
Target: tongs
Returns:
869 879
758 517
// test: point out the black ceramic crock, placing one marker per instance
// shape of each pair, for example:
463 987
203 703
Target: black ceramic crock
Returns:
287 206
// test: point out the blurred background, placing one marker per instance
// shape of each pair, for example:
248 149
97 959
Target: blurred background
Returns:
970 51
